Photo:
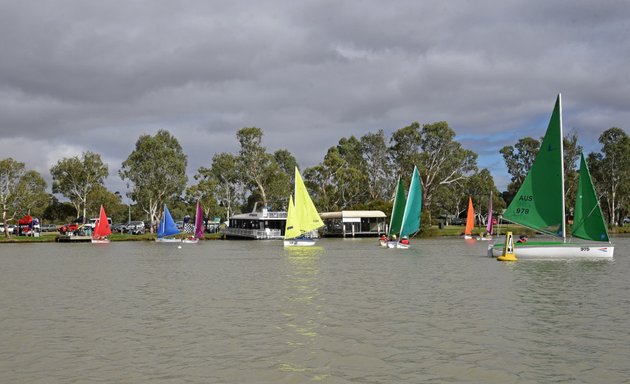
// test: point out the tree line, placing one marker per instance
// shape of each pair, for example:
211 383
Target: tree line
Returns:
356 173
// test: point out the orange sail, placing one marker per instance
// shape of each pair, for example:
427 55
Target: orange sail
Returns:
470 218
102 228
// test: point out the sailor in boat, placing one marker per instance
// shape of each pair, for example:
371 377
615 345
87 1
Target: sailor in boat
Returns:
404 240
522 239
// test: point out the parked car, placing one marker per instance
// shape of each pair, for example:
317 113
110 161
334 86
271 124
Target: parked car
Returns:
135 227
92 222
118 227
10 228
49 228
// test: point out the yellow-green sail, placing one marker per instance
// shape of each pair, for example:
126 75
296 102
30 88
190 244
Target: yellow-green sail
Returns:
291 230
539 203
588 221
302 216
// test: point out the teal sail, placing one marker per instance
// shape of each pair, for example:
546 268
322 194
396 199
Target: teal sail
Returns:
167 226
588 221
539 203
398 210
411 217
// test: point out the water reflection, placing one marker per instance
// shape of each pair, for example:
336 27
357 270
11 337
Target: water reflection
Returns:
302 311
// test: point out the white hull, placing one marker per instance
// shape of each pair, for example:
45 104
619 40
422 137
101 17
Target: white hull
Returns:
190 241
394 244
383 243
468 237
488 238
299 242
100 241
167 240
543 251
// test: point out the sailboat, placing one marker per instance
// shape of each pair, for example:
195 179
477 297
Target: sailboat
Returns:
167 229
539 204
489 226
470 220
101 228
302 217
198 227
410 223
395 222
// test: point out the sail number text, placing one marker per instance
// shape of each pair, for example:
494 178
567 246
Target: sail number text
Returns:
522 211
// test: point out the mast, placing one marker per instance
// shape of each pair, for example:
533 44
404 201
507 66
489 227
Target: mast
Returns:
564 229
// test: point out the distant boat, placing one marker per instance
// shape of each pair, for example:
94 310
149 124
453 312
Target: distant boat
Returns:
410 223
198 227
398 210
489 226
539 204
302 217
167 229
470 220
101 228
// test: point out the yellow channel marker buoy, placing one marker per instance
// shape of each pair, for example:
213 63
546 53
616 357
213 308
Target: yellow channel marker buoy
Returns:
508 249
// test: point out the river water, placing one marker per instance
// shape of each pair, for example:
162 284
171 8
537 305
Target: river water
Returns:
345 311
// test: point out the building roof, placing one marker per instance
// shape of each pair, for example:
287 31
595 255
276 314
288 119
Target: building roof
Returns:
352 214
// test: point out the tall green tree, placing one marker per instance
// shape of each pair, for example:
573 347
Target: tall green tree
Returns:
111 202
222 180
75 177
339 181
156 172
253 160
378 165
519 159
442 161
11 173
611 171
32 197
404 145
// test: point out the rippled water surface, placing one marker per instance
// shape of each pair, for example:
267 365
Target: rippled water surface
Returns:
345 311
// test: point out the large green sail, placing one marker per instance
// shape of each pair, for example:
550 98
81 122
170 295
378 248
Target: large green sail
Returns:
588 221
398 210
292 229
411 217
539 203
307 215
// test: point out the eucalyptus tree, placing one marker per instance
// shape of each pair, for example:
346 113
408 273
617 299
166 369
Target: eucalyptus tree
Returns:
114 207
156 172
611 171
253 159
339 181
222 180
76 176
519 159
378 165
20 190
32 197
404 145
441 160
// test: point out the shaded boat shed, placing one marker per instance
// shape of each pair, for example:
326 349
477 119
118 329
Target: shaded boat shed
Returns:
354 223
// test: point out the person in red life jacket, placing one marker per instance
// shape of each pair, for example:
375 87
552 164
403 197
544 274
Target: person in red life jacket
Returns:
404 240
522 239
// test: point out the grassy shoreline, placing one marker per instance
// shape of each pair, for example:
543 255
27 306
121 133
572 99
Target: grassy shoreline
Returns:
451 230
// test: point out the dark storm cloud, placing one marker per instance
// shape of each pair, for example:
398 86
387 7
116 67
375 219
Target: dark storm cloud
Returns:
84 75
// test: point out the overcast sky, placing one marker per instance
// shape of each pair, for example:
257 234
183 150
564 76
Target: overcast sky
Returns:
79 75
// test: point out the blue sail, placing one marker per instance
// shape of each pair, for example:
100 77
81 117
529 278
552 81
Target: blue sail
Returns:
167 226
